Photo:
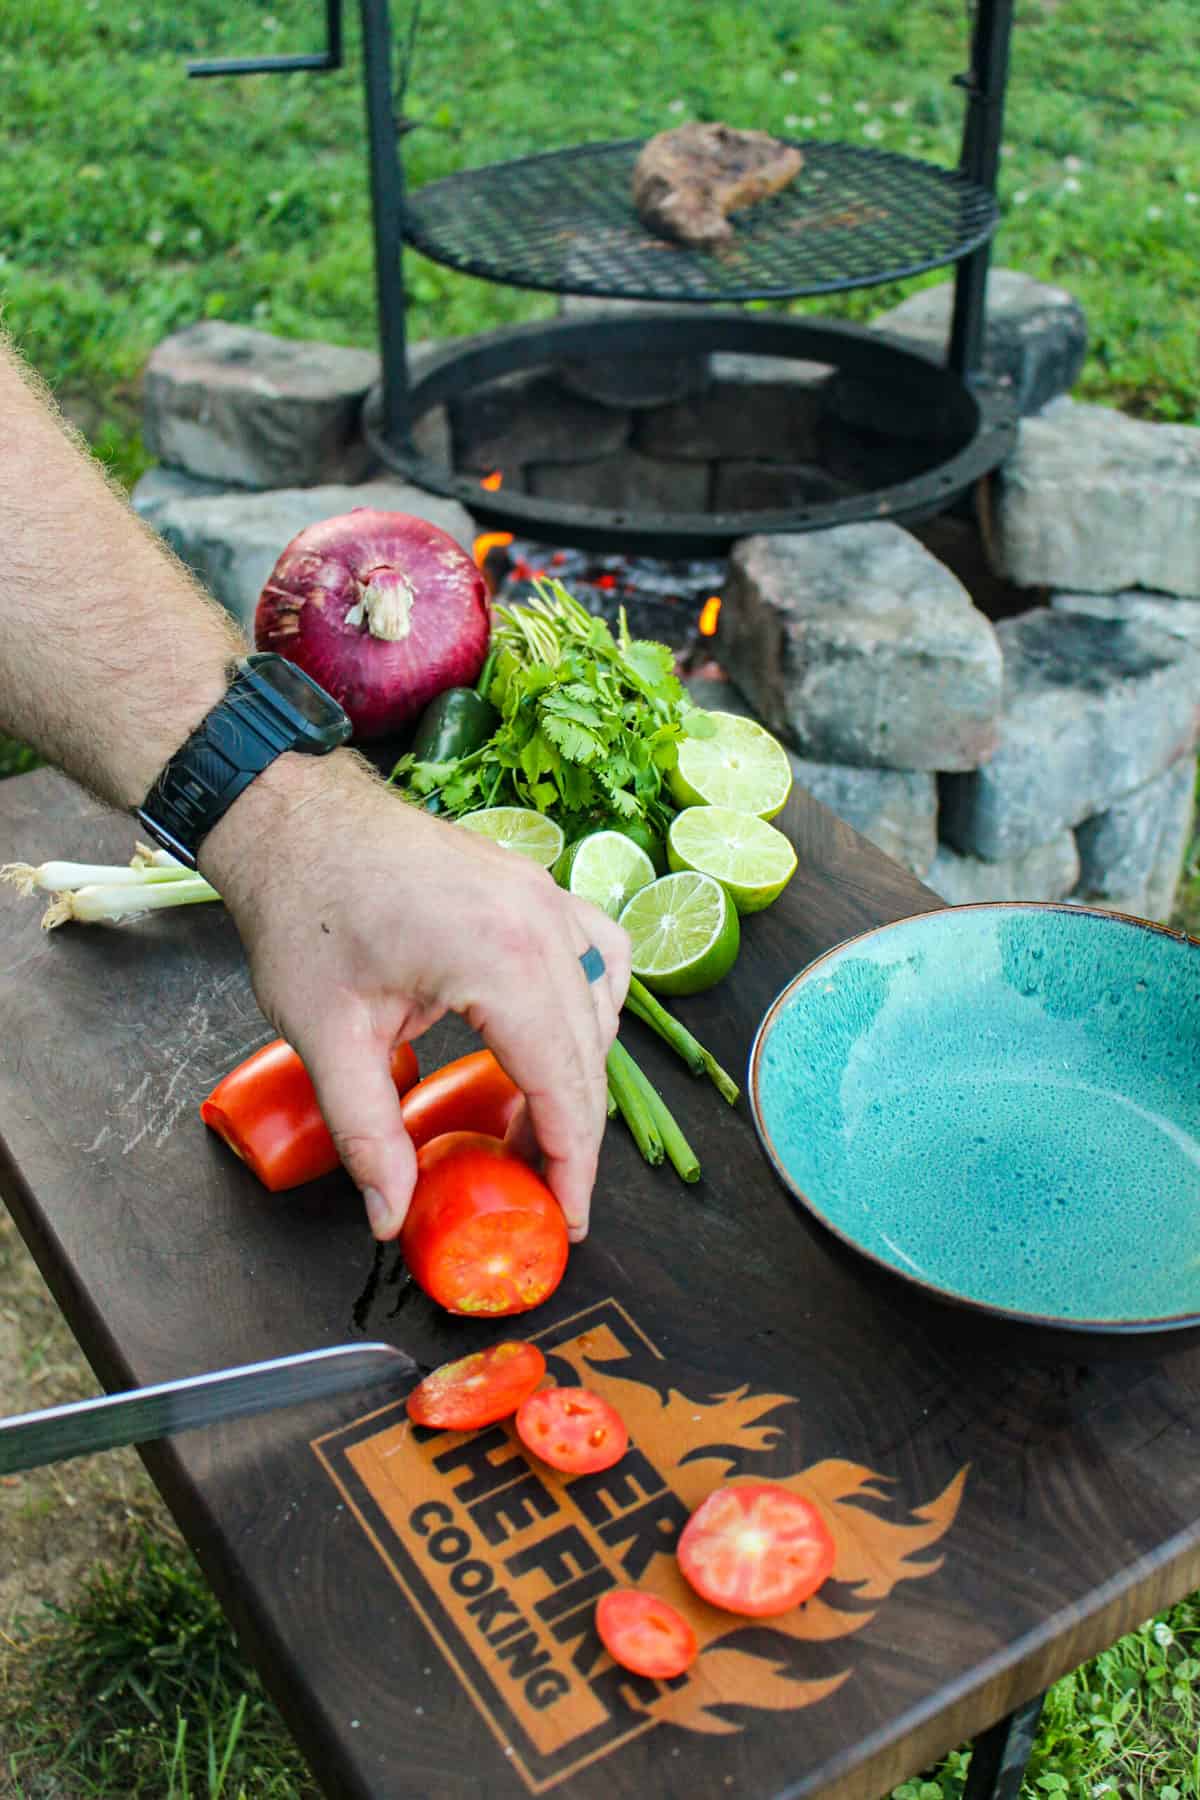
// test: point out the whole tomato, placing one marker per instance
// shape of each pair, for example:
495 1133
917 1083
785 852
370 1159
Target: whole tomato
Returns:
484 1234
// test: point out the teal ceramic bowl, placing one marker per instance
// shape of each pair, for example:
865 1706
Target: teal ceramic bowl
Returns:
998 1107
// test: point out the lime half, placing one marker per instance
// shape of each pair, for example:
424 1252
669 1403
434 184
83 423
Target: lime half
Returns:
745 854
740 766
685 933
519 828
608 869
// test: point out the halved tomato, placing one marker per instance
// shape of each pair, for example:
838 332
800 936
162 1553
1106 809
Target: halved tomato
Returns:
756 1547
645 1634
483 1233
470 1094
478 1389
572 1429
266 1111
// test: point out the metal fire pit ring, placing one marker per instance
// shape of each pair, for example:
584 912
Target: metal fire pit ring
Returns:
971 428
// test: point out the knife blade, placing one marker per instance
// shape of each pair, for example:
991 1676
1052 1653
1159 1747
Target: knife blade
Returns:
138 1415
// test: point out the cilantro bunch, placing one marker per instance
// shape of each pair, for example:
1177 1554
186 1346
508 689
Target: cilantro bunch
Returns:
589 724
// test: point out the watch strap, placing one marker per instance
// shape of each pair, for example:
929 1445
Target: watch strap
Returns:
237 740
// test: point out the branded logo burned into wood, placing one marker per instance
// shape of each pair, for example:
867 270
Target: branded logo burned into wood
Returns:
504 1558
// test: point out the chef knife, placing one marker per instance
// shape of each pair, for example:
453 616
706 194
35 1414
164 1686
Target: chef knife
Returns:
135 1417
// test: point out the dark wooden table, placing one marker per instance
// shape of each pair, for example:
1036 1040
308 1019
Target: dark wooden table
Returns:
422 1610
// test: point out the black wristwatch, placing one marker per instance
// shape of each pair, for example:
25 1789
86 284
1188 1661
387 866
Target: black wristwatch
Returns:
270 706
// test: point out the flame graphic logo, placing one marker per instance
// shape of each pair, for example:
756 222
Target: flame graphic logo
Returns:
503 1559
707 1442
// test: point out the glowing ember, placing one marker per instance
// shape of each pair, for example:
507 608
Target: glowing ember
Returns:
493 481
672 602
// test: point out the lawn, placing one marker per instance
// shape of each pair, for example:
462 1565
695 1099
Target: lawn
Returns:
133 202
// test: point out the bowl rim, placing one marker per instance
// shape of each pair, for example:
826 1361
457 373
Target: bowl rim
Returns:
1155 1325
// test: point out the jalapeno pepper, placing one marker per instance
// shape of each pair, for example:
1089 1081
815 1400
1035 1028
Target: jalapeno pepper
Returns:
459 720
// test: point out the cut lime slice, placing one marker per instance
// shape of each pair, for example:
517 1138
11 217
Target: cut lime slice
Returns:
608 869
740 766
685 933
745 854
519 828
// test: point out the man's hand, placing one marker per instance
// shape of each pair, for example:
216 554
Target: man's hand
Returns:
365 920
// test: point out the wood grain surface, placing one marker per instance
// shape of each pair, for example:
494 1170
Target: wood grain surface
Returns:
420 1604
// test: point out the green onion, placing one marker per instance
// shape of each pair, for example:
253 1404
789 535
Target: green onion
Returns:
62 877
104 903
643 1005
144 857
648 1116
627 1083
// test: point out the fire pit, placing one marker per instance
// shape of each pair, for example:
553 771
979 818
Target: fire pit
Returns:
676 602
564 222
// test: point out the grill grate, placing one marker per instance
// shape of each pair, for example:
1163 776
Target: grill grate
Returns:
564 221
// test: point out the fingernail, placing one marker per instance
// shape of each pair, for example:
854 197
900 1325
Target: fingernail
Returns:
379 1213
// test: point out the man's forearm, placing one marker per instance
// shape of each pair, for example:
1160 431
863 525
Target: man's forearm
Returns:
110 653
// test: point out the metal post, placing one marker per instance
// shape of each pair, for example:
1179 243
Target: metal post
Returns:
387 206
985 84
999 1756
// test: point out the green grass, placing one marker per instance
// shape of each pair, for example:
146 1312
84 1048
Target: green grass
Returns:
138 1689
133 202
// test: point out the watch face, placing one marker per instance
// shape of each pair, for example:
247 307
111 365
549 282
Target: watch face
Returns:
313 705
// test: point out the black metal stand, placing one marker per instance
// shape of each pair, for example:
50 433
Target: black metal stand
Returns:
999 1756
387 208
985 83
961 205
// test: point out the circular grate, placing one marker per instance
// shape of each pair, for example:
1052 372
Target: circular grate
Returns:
564 221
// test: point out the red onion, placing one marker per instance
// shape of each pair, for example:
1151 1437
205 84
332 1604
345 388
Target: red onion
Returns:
383 609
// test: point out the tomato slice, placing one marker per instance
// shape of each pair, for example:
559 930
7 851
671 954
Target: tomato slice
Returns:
483 1234
266 1111
572 1429
756 1547
479 1389
471 1094
645 1634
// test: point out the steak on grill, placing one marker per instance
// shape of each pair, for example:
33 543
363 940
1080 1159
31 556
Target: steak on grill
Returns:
685 181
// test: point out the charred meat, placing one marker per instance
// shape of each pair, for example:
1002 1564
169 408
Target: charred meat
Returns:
686 181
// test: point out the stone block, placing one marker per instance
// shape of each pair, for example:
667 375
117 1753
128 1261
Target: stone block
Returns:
653 379
763 408
233 541
159 485
1131 856
1095 502
1035 336
432 437
1093 709
895 809
639 483
761 486
527 418
1178 618
1047 872
244 408
856 646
